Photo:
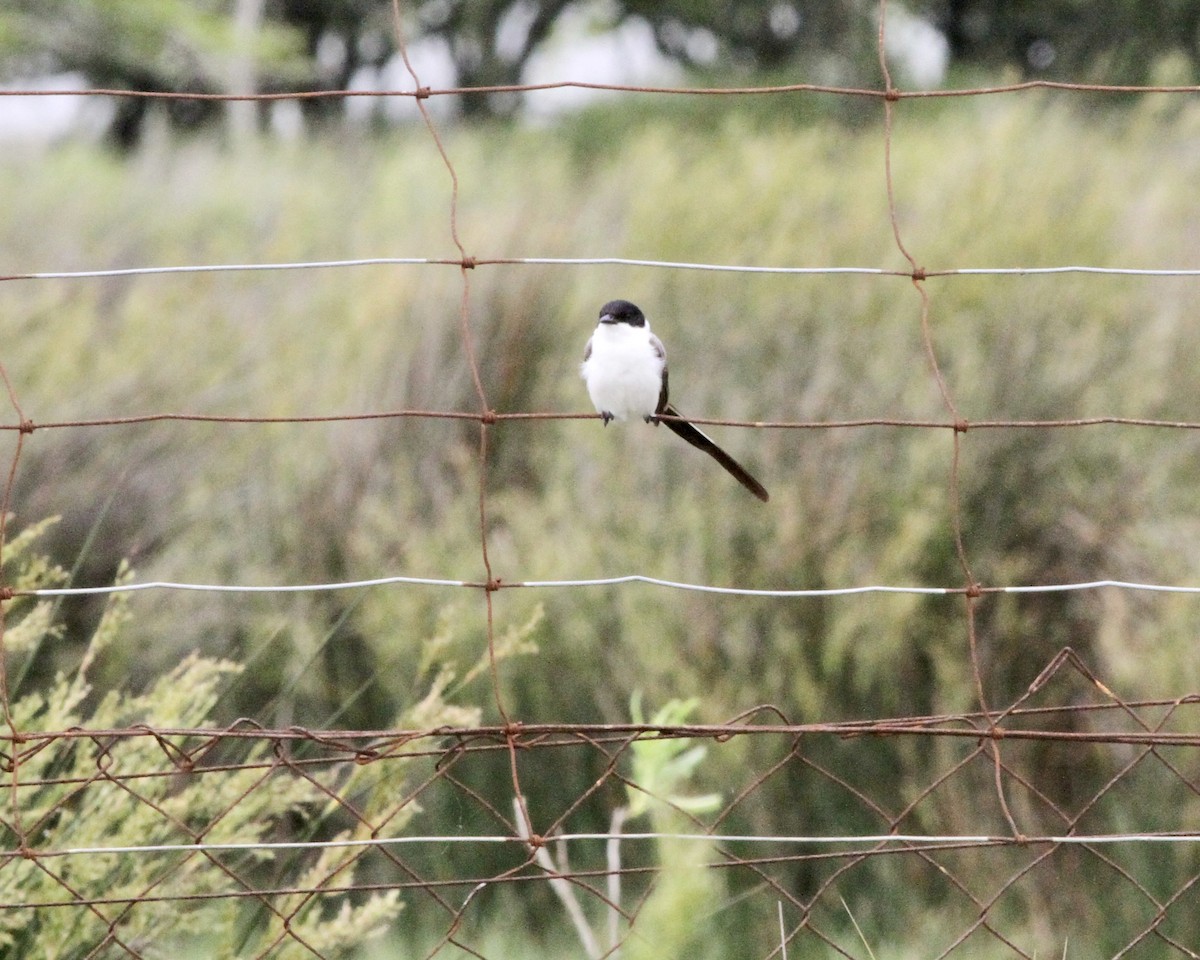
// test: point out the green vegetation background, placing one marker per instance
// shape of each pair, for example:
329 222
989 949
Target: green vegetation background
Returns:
997 182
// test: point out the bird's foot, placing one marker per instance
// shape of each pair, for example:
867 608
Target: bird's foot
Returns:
606 417
651 418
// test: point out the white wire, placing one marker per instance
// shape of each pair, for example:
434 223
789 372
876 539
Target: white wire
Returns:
604 261
1097 584
1110 271
244 588
223 267
736 591
882 838
600 582
677 265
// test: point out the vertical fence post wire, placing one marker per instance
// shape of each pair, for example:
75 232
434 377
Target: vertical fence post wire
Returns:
972 595
26 427
487 418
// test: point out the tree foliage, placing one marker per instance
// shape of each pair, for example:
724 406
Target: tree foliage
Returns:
165 46
762 35
189 45
67 804
1118 41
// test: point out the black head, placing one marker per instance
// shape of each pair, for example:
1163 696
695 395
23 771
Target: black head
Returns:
622 311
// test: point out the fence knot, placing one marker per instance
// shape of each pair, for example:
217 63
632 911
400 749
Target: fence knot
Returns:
535 841
421 93
492 585
974 591
961 425
891 95
26 425
918 274
6 594
468 263
489 417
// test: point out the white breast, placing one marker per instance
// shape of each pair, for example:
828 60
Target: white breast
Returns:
624 370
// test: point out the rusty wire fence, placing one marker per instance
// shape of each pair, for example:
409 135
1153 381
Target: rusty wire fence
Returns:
313 834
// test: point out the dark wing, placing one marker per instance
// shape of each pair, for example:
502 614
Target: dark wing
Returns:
587 351
658 348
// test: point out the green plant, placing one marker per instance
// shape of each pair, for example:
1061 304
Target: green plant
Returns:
1012 181
103 809
684 889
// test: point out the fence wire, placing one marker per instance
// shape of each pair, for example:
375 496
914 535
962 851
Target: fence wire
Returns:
345 845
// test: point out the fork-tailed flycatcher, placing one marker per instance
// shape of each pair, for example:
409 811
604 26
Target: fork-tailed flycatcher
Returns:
625 369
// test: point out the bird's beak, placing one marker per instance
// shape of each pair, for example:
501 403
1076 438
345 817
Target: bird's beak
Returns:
608 318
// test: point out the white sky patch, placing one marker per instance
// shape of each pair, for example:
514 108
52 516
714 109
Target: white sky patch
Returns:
917 49
47 119
514 29
582 48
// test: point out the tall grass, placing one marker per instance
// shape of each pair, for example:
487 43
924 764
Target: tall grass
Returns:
997 182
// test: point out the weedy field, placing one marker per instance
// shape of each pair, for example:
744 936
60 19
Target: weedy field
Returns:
998 182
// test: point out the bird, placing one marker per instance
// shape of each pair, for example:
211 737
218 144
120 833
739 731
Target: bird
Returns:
625 370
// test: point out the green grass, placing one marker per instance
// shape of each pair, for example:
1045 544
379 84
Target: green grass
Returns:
996 182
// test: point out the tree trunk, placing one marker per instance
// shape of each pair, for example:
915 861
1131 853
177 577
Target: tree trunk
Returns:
242 115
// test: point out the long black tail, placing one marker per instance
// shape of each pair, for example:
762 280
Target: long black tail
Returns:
702 441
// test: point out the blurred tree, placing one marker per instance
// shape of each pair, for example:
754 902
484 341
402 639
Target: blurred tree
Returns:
762 34
339 37
216 45
1114 40
168 45
490 41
